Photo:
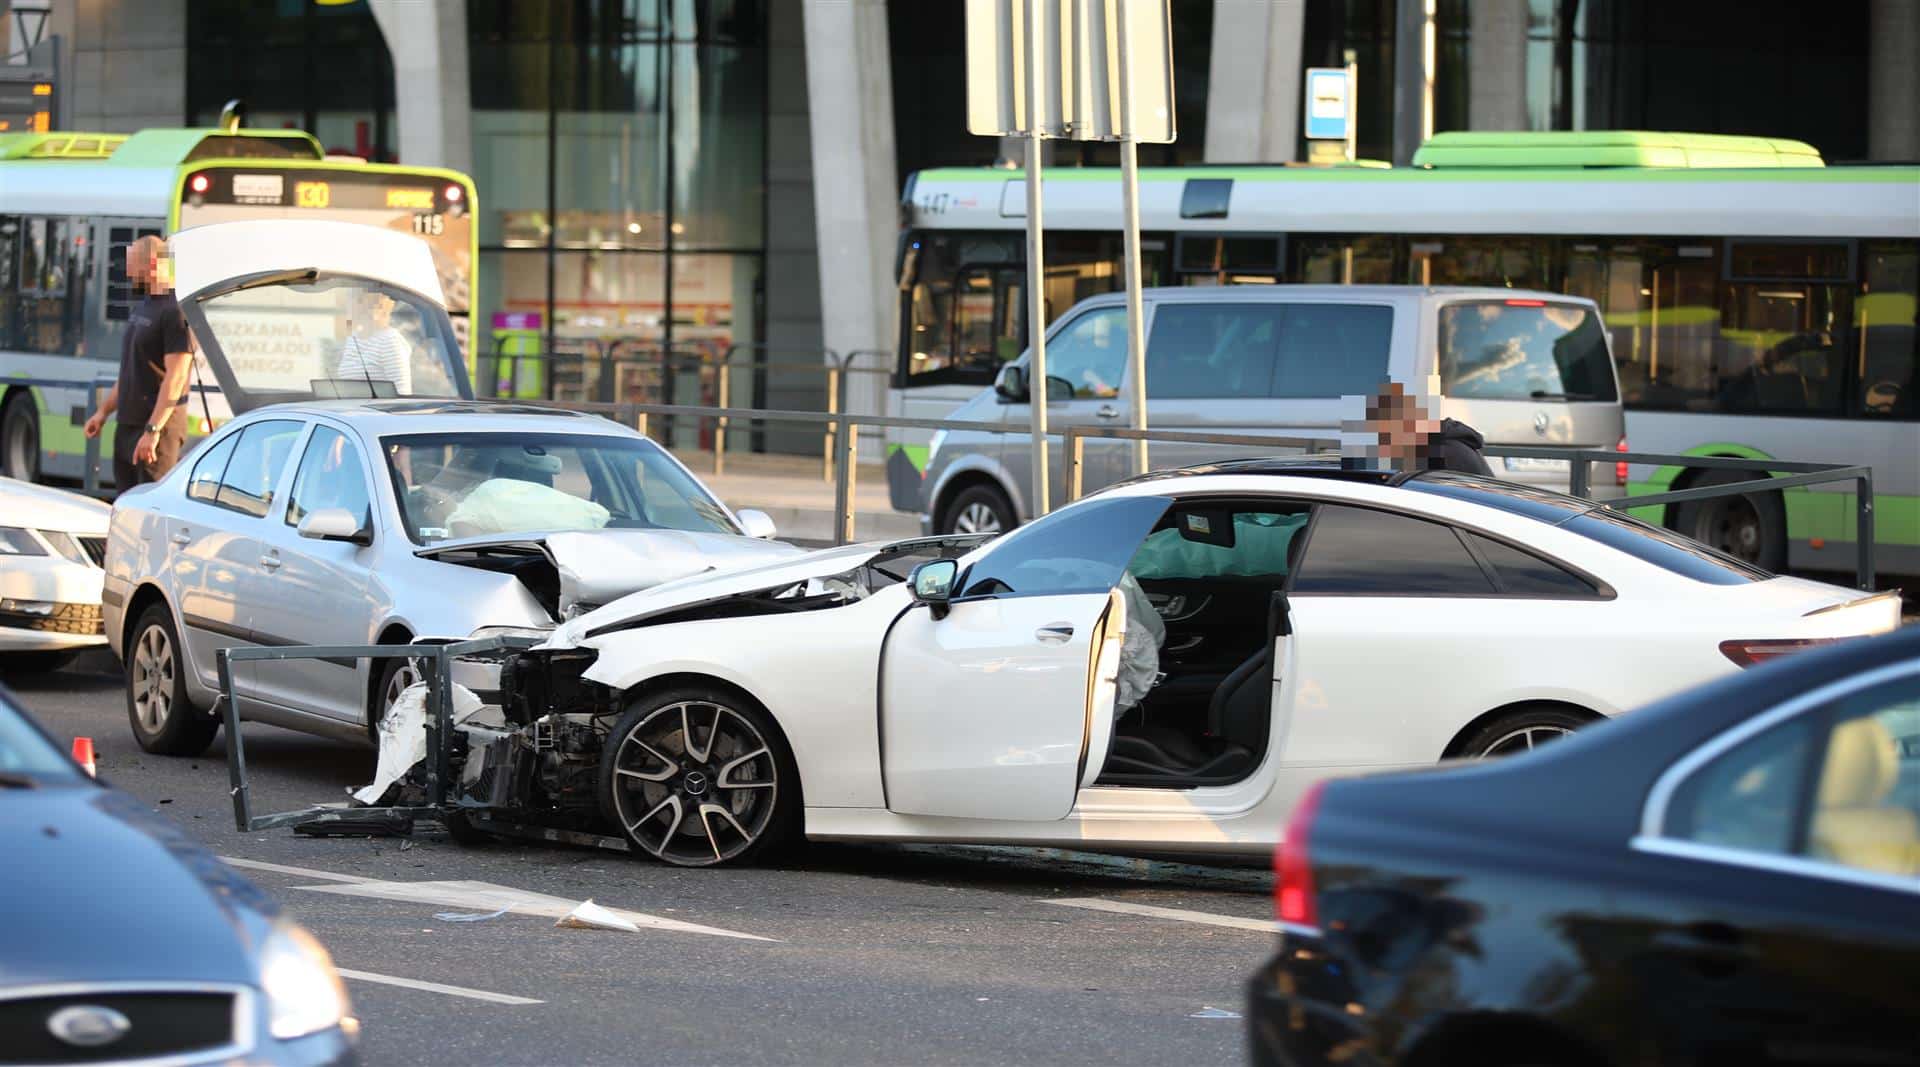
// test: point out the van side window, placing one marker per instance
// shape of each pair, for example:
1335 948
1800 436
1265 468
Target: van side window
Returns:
1211 350
1331 350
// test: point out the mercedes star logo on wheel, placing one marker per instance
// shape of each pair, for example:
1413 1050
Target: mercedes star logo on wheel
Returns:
88 1025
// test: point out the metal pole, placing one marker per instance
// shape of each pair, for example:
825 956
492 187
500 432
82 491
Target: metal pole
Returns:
236 755
1036 267
1351 58
1076 462
723 392
843 480
1130 222
1863 530
833 408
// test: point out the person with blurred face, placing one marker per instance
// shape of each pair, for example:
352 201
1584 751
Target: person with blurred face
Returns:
1407 438
374 351
156 359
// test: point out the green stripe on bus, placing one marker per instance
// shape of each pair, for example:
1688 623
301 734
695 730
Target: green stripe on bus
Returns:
1148 176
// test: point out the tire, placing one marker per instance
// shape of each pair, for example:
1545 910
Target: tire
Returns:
21 664
1519 730
164 721
978 509
1752 527
396 675
20 438
654 785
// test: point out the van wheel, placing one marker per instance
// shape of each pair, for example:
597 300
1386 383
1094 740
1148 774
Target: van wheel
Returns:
978 509
1752 527
20 438
164 721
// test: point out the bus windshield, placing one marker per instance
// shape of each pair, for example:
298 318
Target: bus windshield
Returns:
330 336
1523 350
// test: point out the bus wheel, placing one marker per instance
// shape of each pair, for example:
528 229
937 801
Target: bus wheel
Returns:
20 438
1752 527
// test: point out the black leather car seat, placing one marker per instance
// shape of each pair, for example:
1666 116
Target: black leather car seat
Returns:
1238 716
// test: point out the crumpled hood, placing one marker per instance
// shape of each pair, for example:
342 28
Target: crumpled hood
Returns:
598 566
46 508
99 888
820 563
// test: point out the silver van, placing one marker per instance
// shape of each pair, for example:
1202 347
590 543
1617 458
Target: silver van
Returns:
1523 368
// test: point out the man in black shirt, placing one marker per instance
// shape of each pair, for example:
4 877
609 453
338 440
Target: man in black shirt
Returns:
1407 438
156 357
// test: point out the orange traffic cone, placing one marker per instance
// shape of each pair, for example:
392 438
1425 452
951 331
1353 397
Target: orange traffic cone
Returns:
83 754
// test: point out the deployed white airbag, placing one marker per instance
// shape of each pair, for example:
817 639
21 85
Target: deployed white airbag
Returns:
1139 646
505 505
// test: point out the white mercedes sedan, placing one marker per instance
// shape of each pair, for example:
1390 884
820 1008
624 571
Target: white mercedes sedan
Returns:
1165 666
336 511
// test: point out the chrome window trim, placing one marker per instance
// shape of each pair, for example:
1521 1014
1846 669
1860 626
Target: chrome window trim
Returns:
242 1037
1653 837
1768 861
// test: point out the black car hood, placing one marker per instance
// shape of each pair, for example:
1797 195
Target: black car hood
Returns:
95 887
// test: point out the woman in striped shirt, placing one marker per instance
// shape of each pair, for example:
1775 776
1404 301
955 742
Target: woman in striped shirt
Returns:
375 351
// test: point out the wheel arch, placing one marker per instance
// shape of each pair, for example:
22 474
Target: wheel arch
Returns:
1480 722
392 632
963 480
145 595
1497 1038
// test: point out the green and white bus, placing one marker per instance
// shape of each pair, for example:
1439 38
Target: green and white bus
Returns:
1761 304
70 203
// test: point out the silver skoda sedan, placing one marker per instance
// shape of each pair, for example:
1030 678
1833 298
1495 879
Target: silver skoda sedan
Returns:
386 521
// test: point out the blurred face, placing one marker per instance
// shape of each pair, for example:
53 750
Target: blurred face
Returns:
373 310
1399 425
146 262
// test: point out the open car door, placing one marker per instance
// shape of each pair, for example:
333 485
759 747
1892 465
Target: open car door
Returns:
286 310
989 703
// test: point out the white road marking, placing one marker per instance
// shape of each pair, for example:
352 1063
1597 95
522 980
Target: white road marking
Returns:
304 872
436 987
1231 922
485 896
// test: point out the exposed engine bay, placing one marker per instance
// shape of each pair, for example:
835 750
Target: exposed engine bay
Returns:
532 755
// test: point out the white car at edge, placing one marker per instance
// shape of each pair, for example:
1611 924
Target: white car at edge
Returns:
53 544
1311 621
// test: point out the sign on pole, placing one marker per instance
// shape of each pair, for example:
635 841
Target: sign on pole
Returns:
1082 70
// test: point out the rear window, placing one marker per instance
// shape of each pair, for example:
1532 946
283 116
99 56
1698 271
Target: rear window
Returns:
1651 544
1284 351
1524 350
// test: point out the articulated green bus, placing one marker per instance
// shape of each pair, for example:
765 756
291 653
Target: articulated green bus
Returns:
70 203
1760 303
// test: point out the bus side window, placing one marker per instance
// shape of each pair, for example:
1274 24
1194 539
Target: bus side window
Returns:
9 281
1887 316
51 287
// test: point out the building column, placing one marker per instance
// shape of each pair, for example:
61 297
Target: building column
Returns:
855 188
1255 81
1497 78
433 100
1893 80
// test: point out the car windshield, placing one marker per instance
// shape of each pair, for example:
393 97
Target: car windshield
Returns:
25 753
455 485
1523 350
333 336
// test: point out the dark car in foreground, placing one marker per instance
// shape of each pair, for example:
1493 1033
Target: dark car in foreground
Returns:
122 941
1730 876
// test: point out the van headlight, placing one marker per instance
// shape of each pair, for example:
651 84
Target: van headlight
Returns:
304 992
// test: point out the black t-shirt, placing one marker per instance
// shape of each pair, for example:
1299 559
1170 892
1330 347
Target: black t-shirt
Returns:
154 329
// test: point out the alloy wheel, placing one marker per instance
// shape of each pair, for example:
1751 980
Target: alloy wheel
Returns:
152 678
1522 739
694 783
976 518
403 679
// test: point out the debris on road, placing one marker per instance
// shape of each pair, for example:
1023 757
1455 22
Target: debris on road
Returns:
591 916
469 917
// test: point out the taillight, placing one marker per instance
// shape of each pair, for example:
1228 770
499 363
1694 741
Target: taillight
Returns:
1293 871
1748 653
1620 468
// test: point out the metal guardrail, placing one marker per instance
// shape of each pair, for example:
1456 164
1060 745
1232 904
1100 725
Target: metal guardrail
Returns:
439 679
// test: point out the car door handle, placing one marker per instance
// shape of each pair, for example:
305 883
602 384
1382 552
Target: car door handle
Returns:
1054 633
180 538
1108 411
270 562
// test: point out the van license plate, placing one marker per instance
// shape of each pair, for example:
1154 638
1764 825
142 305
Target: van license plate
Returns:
1532 465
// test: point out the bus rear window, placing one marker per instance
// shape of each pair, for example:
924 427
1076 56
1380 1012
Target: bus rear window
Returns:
1524 350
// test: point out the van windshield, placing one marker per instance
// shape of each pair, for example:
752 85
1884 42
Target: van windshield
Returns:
1524 350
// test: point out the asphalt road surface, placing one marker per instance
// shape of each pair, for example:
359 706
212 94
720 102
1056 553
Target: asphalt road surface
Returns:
844 954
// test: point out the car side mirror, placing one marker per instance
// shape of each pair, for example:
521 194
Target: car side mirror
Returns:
1011 385
1058 389
932 584
334 524
755 523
